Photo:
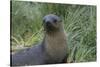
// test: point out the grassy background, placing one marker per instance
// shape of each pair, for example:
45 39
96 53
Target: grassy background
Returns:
79 23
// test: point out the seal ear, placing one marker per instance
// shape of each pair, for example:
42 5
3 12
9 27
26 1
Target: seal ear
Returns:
60 20
43 21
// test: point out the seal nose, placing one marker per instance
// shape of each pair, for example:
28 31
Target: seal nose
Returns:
48 23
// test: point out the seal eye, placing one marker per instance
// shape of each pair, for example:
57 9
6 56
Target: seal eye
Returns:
54 20
43 20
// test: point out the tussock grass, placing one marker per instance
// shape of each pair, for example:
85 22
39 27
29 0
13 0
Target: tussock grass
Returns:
79 23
